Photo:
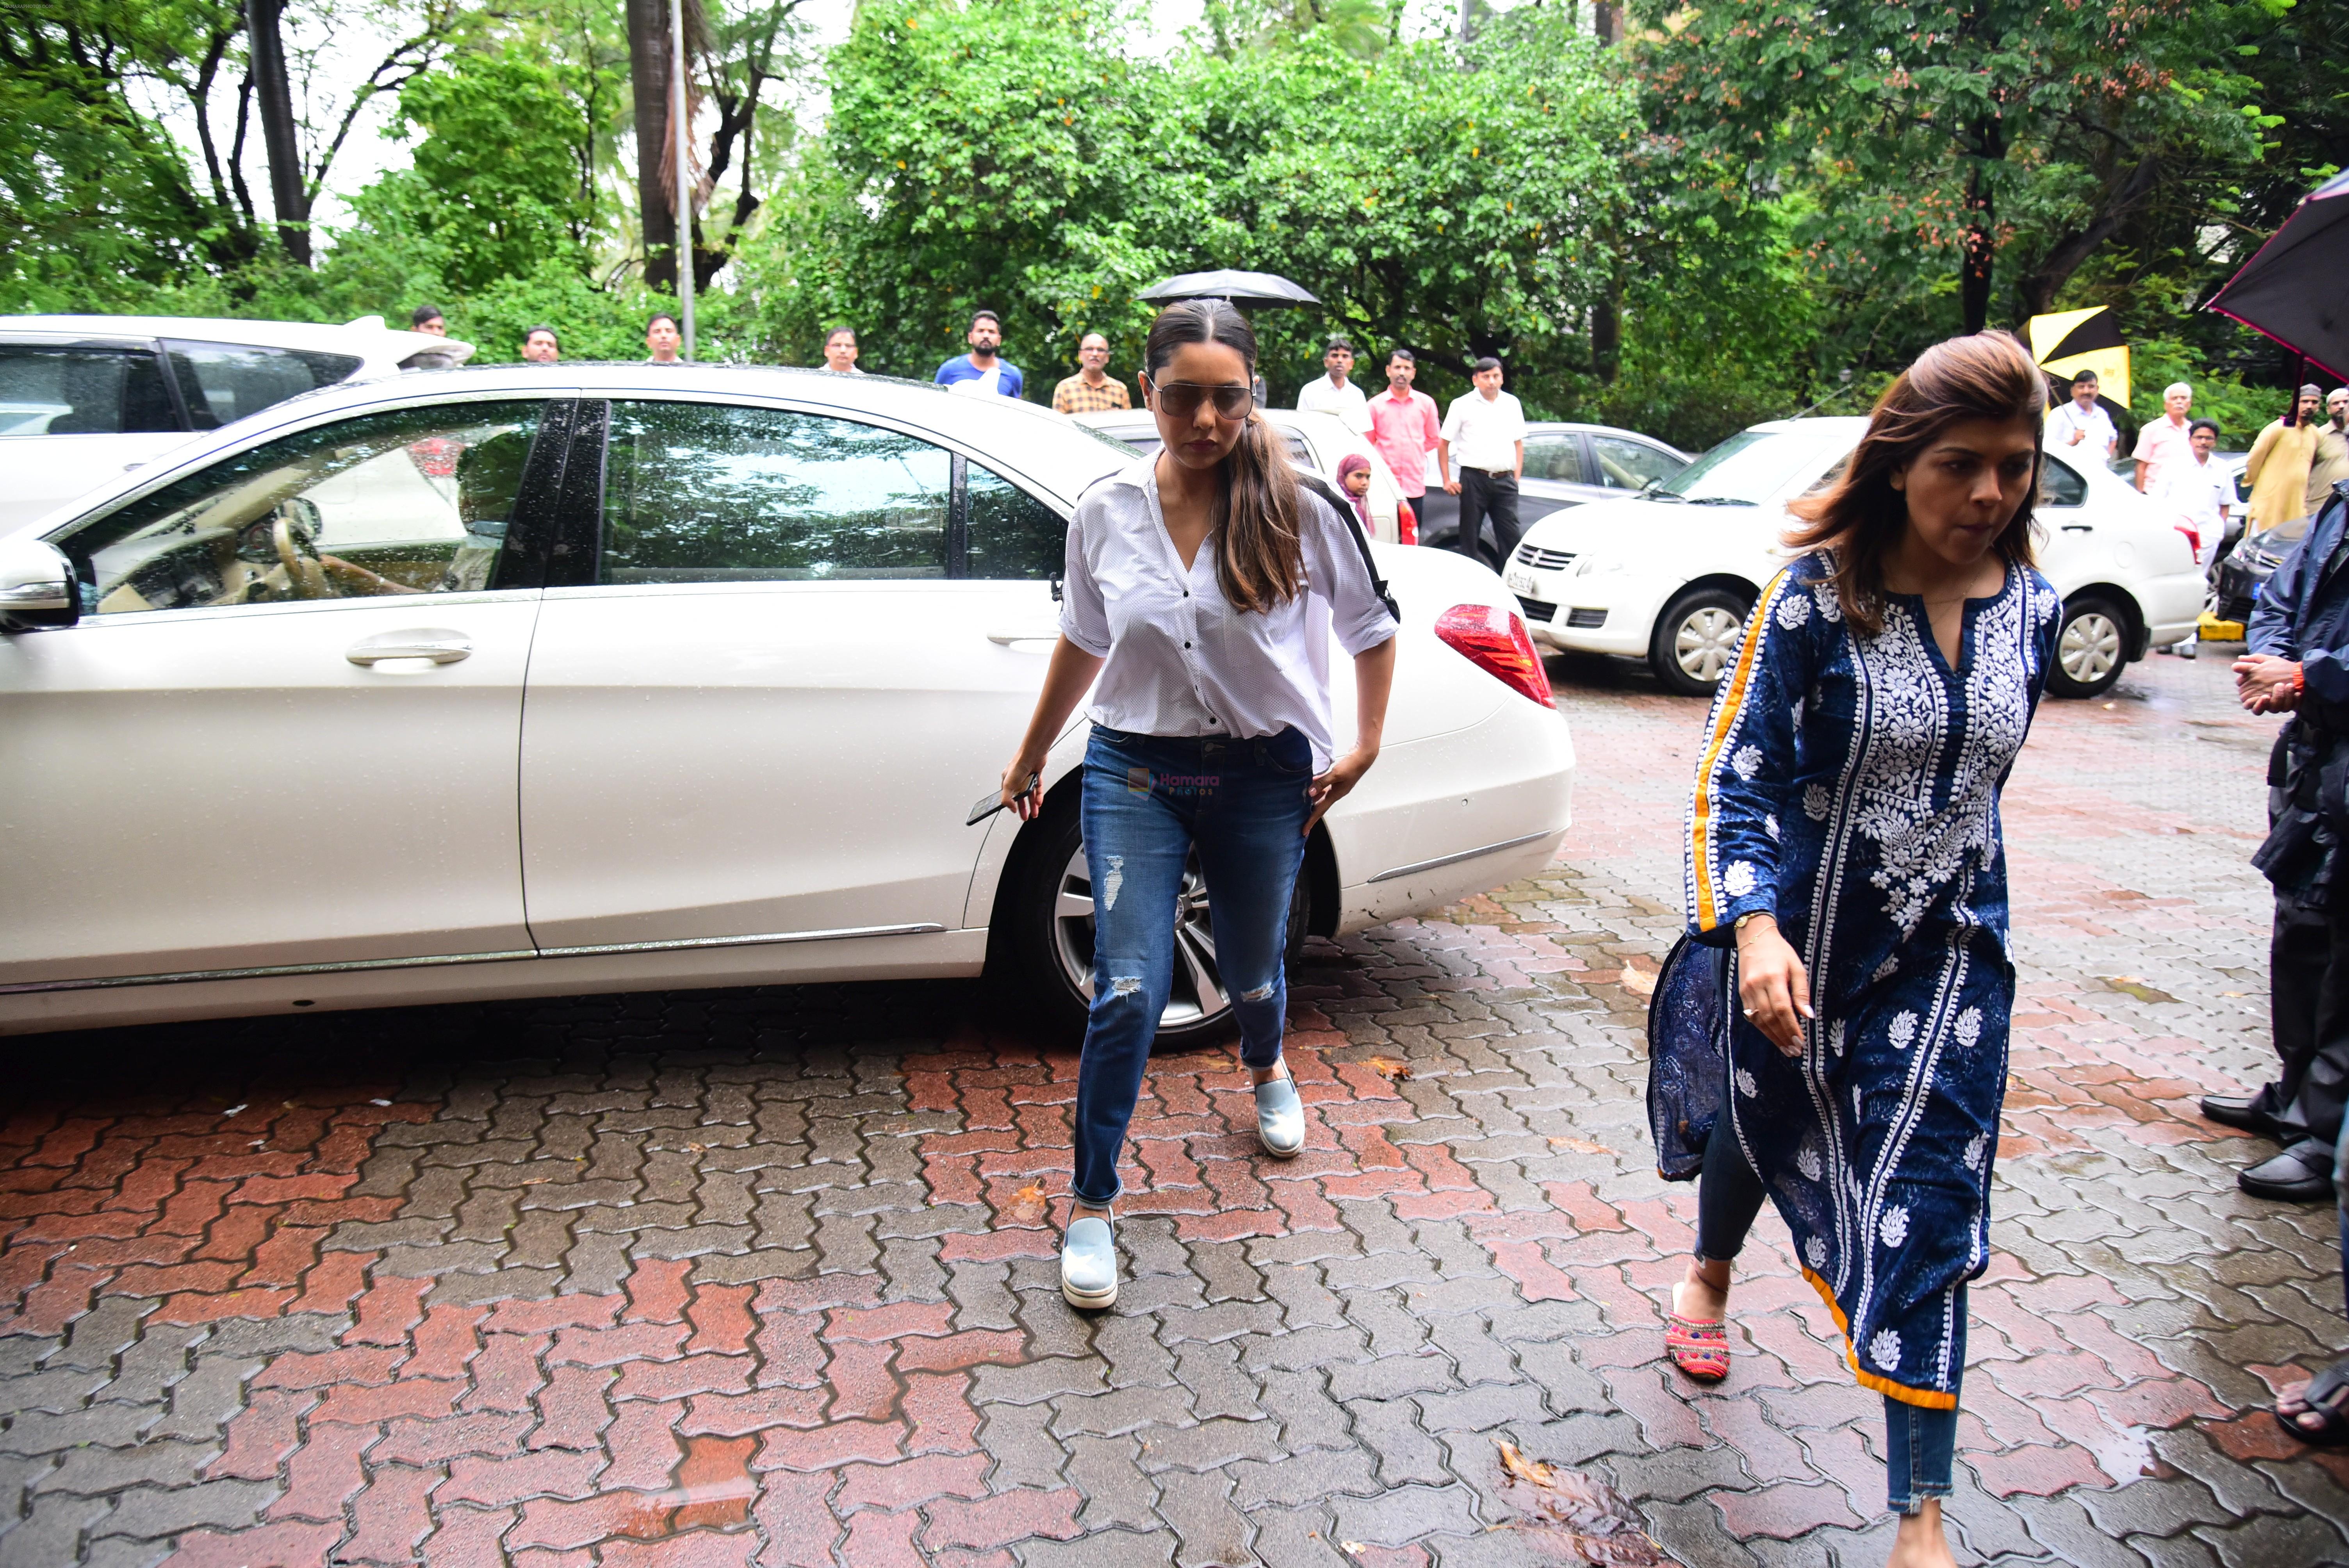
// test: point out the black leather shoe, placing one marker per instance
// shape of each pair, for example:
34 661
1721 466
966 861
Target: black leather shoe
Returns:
2242 1111
2287 1179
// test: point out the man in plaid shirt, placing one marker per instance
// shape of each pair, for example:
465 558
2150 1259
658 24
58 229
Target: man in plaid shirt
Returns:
1091 390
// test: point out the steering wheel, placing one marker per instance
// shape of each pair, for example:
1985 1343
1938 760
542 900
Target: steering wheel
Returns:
305 576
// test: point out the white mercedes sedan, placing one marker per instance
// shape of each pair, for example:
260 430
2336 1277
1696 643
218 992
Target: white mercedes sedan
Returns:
516 682
1669 574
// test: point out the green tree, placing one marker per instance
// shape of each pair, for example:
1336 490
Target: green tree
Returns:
2006 136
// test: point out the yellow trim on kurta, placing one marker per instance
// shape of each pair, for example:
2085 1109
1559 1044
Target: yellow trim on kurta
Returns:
1930 1398
1700 813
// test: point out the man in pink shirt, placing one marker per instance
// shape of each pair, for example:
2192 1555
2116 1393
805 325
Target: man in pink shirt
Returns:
1404 429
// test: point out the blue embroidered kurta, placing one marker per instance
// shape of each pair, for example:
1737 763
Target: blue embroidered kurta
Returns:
1849 785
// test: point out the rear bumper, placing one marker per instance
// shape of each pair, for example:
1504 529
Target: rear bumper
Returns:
1462 813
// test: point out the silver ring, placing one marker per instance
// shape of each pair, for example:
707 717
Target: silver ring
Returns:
1749 1012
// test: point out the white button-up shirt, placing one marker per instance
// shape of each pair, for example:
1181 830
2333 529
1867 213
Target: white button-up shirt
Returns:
1344 399
1181 660
1484 431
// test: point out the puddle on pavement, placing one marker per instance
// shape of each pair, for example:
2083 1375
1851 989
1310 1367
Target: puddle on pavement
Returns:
713 1492
2127 1454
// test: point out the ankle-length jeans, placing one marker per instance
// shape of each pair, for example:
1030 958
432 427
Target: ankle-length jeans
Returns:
1920 1444
1148 800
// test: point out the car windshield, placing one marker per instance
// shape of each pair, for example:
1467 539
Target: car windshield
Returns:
1749 467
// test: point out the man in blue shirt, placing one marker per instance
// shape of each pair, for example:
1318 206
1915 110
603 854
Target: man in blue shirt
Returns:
980 371
2298 663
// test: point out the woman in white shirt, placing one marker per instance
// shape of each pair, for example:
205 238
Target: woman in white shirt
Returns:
1203 587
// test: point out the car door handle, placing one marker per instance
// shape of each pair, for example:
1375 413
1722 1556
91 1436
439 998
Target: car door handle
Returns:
429 643
2078 526
1033 634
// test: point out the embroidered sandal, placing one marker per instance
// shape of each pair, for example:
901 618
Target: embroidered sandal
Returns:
1701 1350
1089 1264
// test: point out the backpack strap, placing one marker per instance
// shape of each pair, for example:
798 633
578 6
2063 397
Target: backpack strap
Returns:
1345 510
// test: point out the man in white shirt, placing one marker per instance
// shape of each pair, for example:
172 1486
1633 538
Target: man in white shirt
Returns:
1336 392
2163 441
2196 494
840 351
2083 422
1486 431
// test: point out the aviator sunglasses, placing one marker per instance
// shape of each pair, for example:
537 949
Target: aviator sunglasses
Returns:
1180 400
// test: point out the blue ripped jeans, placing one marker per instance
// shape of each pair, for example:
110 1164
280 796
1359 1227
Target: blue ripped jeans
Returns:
1149 801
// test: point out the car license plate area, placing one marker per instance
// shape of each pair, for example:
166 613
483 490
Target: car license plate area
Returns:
1521 583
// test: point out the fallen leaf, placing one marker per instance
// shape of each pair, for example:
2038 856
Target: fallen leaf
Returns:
1581 1512
1353 1548
1027 1206
1389 1069
1639 982
1580 1145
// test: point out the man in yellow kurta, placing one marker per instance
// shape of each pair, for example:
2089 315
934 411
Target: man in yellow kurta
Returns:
2279 462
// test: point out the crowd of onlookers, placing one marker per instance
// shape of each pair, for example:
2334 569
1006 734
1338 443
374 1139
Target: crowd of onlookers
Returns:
1475 450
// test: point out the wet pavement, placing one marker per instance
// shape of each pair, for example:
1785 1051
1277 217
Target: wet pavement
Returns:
767 1278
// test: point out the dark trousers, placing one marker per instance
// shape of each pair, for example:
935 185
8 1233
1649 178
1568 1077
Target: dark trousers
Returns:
2308 1013
1488 495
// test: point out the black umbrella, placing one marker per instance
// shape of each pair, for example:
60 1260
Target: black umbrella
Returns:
1225 283
2292 291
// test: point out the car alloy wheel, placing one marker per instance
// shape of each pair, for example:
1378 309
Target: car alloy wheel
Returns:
2091 649
1704 642
1696 640
1195 1001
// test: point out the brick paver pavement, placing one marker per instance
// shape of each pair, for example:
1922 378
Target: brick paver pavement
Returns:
767 1278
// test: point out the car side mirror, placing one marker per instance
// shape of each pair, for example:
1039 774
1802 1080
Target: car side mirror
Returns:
36 586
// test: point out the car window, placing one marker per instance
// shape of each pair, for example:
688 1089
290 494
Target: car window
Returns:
2060 484
1554 457
64 390
1750 467
1012 534
223 382
1631 465
412 501
702 492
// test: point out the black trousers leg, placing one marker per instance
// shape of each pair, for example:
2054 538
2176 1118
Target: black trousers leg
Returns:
1728 1196
2313 1115
1474 485
2299 951
1501 505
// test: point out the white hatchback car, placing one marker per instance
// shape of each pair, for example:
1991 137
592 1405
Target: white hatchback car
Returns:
518 681
1315 441
1669 575
85 399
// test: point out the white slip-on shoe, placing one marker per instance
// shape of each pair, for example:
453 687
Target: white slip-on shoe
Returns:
1280 1118
1089 1264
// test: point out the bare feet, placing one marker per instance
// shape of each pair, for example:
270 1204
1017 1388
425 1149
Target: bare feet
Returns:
1921 1543
1703 1294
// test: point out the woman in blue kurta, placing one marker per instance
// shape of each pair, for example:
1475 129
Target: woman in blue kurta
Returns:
1844 837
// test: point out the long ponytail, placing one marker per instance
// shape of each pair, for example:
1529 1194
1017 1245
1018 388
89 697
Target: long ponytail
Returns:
1259 506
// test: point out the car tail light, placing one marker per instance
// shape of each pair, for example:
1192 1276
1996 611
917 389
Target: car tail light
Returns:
2193 539
1406 524
1496 641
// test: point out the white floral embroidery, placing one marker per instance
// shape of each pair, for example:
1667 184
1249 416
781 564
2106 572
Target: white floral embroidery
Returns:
1885 1349
1746 1084
1859 1109
1748 761
1968 1027
1926 833
1903 1032
1823 594
1794 716
1885 970
1807 1160
1835 1037
1814 802
1815 1252
1770 824
1738 879
1976 1147
1794 609
1893 1228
